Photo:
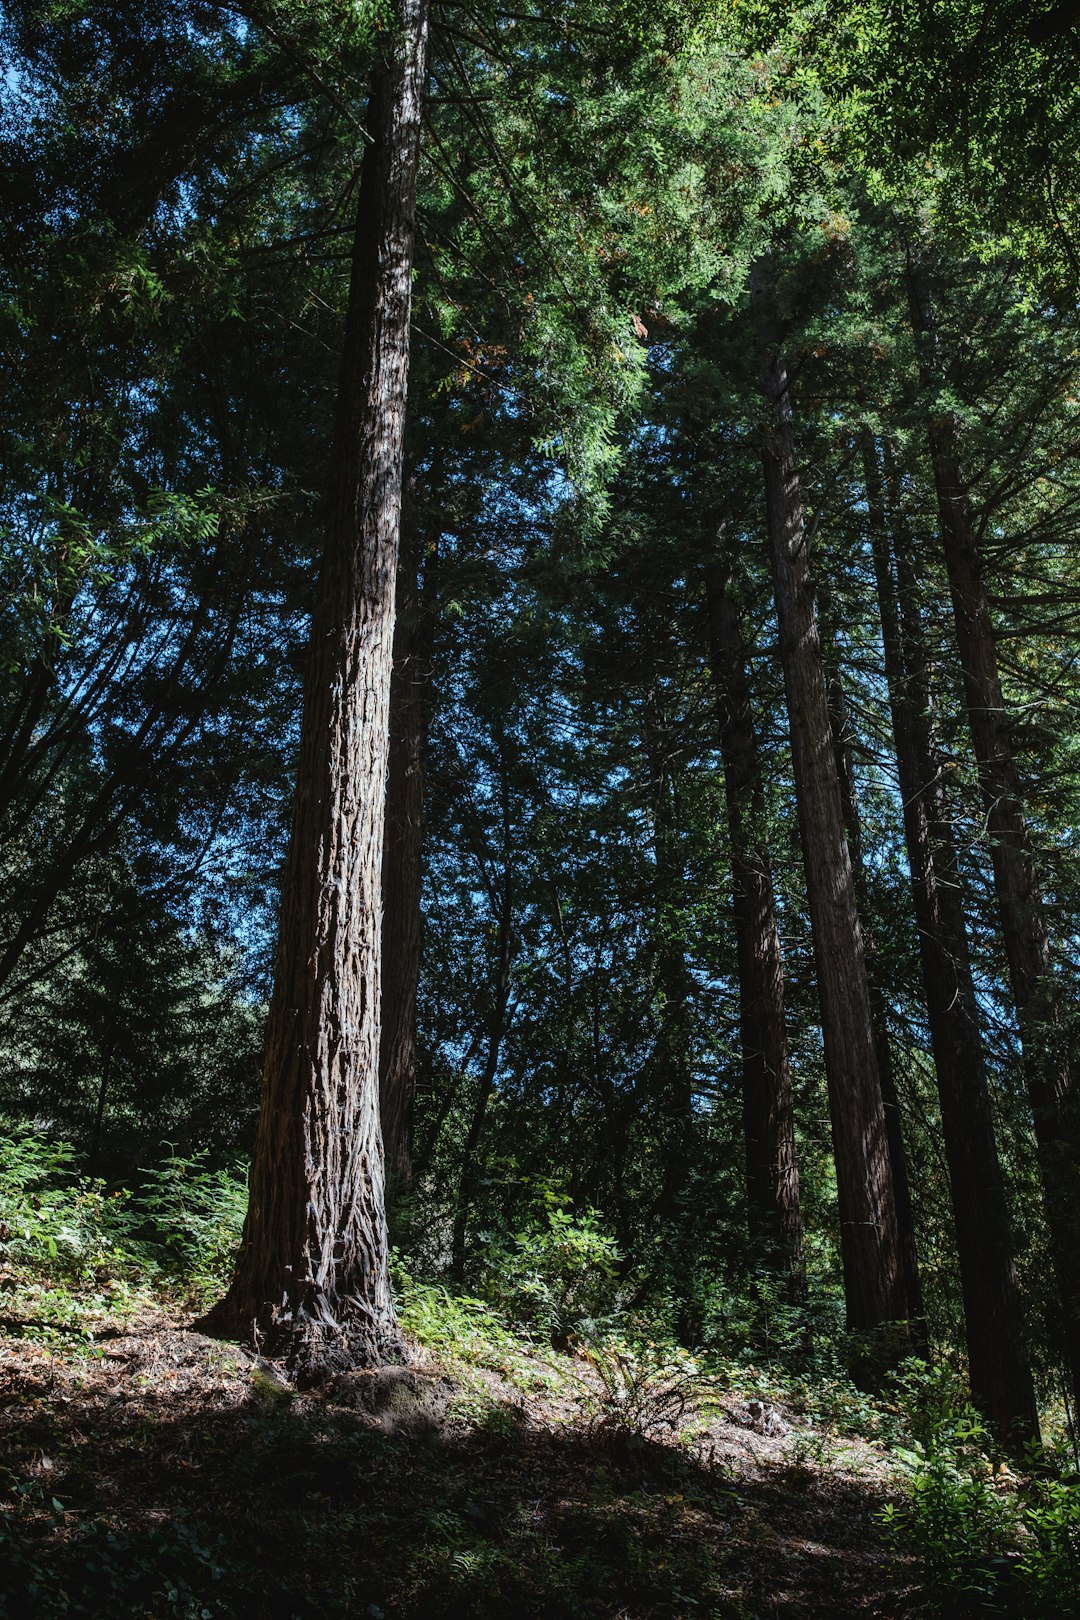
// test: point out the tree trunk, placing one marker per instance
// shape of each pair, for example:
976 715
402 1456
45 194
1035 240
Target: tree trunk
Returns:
869 1232
103 1092
1051 1082
496 1030
402 868
1001 1385
879 1010
772 1172
312 1280
669 1072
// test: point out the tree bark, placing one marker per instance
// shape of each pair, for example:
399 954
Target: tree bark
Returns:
879 1011
312 1280
772 1171
402 868
869 1231
1051 1080
1001 1384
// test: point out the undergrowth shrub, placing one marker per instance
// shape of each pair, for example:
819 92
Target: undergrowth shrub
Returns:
55 1221
555 1277
72 1245
449 1323
469 1332
195 1217
989 1542
638 1389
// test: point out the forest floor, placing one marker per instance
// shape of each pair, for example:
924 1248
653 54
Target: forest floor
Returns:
152 1472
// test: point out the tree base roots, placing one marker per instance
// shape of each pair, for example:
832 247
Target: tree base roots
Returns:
312 1350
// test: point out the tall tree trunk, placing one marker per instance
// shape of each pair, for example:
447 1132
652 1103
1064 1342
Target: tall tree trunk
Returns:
670 1072
496 1031
772 1171
312 1279
879 1010
869 1231
1052 1083
402 868
107 1056
1001 1384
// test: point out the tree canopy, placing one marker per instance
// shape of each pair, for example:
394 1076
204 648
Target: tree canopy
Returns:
683 402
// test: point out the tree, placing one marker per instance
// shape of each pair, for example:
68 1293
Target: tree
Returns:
312 1281
870 1239
1036 988
1000 1375
843 739
772 1173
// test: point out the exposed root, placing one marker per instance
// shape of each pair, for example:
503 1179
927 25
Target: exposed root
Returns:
311 1348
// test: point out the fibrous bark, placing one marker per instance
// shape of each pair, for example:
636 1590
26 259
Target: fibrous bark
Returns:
312 1281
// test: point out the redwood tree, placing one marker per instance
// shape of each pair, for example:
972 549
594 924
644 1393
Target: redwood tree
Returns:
311 1281
772 1171
1001 1384
874 1275
1036 988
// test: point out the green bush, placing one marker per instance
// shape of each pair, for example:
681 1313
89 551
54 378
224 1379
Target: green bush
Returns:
555 1277
70 1236
195 1217
638 1389
56 1222
1049 1566
989 1543
449 1323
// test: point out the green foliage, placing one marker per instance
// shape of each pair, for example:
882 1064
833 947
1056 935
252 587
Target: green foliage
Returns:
988 1541
466 1334
641 1388
56 1222
196 1217
73 1248
449 1323
555 1277
99 1570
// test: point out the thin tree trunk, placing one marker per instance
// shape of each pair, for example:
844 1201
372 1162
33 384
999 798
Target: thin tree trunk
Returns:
879 1011
1001 1384
102 1096
617 1105
402 869
772 1172
670 1074
496 1031
869 1231
1051 1081
312 1279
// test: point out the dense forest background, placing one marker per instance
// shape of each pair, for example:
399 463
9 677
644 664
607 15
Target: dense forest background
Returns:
734 775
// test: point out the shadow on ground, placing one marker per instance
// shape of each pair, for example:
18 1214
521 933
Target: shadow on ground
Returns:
169 1479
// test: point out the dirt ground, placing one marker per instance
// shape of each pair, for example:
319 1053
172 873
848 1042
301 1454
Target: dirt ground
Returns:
167 1474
